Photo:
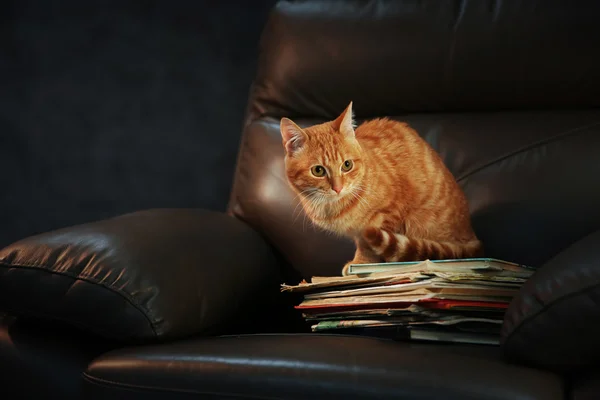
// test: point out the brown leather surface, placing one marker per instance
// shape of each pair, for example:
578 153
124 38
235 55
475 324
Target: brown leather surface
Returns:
586 386
527 177
402 56
149 275
505 91
40 359
554 321
314 366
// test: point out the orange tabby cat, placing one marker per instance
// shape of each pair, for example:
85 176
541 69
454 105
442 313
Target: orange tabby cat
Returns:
380 184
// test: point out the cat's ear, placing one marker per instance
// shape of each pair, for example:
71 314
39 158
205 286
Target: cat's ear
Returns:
292 135
345 122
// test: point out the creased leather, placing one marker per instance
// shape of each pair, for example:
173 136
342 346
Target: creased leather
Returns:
506 91
314 366
403 56
554 321
155 274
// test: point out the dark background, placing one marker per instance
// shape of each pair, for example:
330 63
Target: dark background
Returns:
107 107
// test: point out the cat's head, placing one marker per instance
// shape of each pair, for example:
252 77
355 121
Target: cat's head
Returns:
323 162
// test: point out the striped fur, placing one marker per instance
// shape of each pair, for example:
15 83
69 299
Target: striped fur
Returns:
394 247
381 184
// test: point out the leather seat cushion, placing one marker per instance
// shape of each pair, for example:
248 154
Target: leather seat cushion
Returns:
299 366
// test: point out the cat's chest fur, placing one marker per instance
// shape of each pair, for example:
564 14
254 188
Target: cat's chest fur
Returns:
348 218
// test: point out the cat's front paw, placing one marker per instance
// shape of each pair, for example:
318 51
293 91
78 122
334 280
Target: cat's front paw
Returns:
346 267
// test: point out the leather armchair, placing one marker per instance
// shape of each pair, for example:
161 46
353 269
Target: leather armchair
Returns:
184 304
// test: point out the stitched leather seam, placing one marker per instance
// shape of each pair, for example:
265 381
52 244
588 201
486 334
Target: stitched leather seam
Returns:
86 279
526 148
110 384
525 321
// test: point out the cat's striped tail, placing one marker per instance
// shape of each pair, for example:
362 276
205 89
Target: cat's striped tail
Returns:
394 247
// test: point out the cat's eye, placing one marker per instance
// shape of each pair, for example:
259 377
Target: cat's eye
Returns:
347 165
318 170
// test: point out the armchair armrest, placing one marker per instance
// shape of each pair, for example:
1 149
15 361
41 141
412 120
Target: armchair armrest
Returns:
554 321
148 275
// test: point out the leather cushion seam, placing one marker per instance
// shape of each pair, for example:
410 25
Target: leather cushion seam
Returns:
532 146
112 384
525 321
91 281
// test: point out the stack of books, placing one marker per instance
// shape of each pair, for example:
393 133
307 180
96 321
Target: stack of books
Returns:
444 300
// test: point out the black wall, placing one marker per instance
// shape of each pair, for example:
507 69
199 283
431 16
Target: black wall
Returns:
108 107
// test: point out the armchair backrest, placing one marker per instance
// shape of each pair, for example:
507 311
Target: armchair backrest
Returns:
507 92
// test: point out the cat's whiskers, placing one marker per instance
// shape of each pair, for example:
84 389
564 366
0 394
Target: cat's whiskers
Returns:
307 194
356 193
314 204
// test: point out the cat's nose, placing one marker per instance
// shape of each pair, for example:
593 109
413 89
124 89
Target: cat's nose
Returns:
337 188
